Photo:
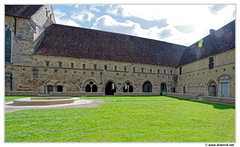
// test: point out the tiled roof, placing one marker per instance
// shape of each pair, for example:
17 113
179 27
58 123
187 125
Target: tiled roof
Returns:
76 42
24 11
216 42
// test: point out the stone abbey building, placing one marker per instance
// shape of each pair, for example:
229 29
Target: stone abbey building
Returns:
42 58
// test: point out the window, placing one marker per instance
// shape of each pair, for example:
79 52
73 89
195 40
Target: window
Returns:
164 72
158 71
59 88
95 66
150 70
8 45
72 65
105 67
115 68
211 63
180 70
134 69
59 64
142 70
171 72
47 63
83 66
125 68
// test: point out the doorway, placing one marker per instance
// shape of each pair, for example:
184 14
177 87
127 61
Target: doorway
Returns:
110 88
49 89
224 87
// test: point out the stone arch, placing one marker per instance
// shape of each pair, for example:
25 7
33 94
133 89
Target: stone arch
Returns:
128 86
59 86
212 88
90 80
163 87
48 87
110 87
90 85
224 85
147 87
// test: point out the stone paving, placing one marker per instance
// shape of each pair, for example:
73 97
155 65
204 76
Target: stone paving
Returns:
82 103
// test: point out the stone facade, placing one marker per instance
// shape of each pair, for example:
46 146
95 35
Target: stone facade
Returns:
32 74
196 77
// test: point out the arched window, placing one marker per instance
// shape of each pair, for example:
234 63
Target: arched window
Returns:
94 88
88 88
128 88
147 87
59 88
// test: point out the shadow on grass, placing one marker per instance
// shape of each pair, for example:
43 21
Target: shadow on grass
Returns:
215 105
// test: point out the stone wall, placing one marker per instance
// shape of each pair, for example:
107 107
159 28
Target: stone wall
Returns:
180 95
197 76
37 75
220 100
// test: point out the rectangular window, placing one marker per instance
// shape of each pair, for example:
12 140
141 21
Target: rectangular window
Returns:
60 64
164 72
211 63
125 68
105 67
158 71
83 66
171 72
95 66
8 45
142 70
115 68
180 70
150 70
47 63
72 65
134 69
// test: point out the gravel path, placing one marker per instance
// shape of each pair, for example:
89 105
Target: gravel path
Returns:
82 103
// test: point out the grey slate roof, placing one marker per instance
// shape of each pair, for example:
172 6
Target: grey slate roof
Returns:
24 11
76 42
217 42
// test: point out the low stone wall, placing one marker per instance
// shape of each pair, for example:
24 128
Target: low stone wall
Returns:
220 100
78 93
223 100
135 93
180 95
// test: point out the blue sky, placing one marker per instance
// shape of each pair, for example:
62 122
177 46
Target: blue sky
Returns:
180 24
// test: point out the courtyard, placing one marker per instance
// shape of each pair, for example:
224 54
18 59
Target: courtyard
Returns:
124 119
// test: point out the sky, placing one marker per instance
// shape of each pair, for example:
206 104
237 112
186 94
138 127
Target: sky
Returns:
179 24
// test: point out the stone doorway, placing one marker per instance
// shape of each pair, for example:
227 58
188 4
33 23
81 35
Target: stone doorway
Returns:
110 88
49 89
212 89
163 87
147 87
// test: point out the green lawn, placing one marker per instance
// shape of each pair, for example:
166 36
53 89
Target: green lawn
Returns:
126 119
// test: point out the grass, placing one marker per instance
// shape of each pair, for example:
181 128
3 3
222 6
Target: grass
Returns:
126 119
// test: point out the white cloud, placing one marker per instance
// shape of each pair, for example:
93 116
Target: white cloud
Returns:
62 18
114 10
107 23
188 23
94 8
82 16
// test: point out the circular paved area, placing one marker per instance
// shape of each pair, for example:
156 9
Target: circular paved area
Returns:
82 103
